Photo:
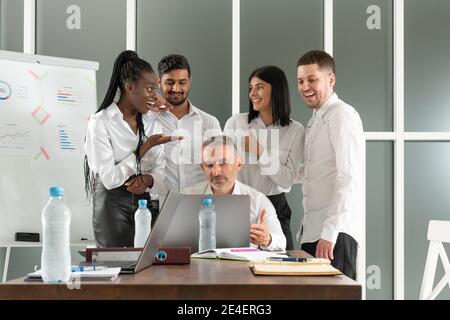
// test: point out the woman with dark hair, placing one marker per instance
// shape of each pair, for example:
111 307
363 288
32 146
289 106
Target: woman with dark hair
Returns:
124 156
271 142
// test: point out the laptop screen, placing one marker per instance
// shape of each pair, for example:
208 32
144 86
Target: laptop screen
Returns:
154 241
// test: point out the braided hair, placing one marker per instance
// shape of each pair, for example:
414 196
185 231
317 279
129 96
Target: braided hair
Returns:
128 67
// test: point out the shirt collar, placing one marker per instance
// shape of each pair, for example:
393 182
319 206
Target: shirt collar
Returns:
192 109
326 106
260 122
236 189
112 110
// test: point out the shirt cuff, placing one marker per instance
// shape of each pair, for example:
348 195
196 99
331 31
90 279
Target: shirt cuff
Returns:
329 235
277 244
159 187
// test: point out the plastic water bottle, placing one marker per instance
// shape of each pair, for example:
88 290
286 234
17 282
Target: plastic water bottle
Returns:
207 221
55 258
143 224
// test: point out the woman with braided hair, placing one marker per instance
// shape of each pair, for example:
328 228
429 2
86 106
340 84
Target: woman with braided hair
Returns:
124 152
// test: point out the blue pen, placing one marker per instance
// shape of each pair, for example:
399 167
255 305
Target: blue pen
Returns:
291 259
87 268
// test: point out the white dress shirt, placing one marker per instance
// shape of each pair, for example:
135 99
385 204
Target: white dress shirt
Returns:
277 168
258 201
183 157
334 173
110 144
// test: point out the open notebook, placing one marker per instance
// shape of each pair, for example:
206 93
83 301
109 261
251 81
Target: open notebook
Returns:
294 269
240 254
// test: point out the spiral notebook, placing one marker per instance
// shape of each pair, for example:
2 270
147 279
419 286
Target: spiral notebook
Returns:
240 254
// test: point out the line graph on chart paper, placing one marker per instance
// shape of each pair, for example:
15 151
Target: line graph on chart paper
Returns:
14 139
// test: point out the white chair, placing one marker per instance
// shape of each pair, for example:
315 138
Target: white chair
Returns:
438 233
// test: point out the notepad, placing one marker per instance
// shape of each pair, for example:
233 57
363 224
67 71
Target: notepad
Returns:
239 254
294 269
104 274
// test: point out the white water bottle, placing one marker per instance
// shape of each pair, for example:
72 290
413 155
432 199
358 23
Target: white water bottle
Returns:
207 221
143 224
55 258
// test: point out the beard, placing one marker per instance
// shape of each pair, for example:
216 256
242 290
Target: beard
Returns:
176 102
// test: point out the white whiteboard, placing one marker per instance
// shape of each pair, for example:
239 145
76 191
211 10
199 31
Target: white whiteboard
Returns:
45 104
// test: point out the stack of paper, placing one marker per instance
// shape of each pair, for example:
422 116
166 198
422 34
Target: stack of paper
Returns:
104 274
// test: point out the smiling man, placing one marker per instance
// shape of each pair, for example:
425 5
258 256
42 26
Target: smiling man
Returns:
183 119
333 174
221 165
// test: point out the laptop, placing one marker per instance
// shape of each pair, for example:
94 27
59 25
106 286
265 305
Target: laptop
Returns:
153 243
232 222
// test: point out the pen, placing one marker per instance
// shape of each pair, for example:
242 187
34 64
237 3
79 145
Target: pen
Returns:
291 259
87 268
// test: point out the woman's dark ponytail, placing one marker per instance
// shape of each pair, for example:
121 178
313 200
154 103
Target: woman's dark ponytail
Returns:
115 82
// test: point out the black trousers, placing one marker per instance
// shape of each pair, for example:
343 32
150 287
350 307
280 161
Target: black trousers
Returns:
344 253
113 215
284 215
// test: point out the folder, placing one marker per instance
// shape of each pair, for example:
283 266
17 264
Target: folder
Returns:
294 269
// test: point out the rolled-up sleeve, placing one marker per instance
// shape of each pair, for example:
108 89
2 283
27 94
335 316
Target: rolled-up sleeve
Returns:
273 225
284 172
154 164
100 156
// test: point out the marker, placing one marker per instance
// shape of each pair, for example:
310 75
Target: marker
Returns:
245 250
87 268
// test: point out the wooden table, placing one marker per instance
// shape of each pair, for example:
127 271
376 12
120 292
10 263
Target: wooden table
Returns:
201 279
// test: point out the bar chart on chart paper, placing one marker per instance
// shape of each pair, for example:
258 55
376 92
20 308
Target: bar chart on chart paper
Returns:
70 139
68 96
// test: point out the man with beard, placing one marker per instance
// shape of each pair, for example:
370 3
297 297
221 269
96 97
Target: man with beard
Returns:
221 165
184 119
333 174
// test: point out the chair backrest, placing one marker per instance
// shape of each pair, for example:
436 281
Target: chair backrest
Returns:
438 233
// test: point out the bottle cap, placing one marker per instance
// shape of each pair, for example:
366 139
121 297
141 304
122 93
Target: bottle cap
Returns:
207 201
56 191
142 203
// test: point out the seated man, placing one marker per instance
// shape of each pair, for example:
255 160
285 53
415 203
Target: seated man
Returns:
220 165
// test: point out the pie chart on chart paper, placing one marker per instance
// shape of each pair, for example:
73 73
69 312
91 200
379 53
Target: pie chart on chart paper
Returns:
5 90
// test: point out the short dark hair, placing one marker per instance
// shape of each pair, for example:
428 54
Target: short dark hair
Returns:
319 57
173 62
281 106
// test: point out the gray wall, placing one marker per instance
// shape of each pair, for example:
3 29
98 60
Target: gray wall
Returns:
427 71
379 220
11 25
101 37
201 31
364 56
427 190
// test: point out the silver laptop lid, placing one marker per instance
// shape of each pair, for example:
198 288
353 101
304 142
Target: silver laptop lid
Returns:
232 222
165 216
